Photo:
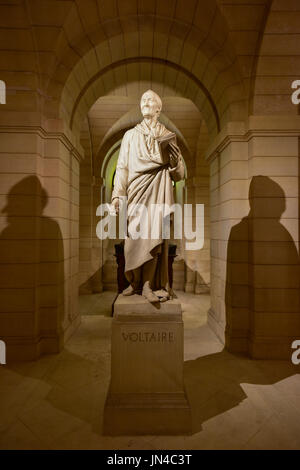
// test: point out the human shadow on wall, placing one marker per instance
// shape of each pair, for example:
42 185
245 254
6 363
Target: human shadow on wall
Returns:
32 266
216 383
262 275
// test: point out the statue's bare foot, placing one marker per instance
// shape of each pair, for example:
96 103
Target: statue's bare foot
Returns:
128 291
162 294
151 297
149 294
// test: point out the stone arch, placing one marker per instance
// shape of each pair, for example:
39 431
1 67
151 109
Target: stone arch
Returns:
192 42
72 39
190 87
108 169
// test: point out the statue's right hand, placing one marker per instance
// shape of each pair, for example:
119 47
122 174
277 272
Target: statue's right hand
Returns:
115 205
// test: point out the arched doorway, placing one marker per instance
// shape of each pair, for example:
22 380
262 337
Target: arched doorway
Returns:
190 50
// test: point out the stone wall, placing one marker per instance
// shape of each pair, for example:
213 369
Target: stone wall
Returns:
254 238
39 241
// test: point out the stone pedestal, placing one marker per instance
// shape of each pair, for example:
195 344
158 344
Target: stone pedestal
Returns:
146 394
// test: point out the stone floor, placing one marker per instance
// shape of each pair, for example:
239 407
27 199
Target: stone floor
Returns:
237 403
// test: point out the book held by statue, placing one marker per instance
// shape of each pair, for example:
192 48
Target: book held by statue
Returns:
164 146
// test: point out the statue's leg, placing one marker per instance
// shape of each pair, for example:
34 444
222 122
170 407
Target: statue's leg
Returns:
149 268
135 280
128 291
159 279
148 274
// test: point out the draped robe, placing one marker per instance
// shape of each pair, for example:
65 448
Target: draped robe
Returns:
142 176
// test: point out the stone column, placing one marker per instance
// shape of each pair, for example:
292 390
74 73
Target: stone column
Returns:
274 236
85 227
229 313
39 240
254 236
22 201
97 255
198 261
61 181
90 247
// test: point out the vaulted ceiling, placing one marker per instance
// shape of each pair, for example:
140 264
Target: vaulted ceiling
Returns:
59 56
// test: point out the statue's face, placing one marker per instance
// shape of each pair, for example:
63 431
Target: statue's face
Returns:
149 105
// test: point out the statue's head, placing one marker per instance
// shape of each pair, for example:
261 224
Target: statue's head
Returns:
150 104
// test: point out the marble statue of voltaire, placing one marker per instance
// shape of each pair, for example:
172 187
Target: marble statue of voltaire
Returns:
145 178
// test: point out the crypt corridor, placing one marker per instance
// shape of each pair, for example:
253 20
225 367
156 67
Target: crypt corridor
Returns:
74 72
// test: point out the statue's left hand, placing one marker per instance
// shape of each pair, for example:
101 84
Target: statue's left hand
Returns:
174 155
115 205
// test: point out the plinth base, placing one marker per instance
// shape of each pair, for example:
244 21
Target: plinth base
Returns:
146 394
161 414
